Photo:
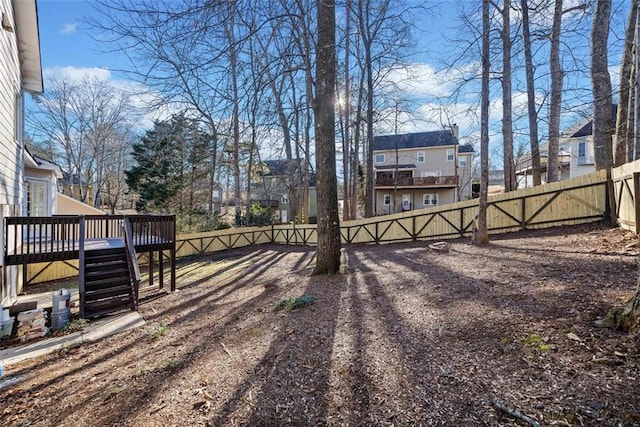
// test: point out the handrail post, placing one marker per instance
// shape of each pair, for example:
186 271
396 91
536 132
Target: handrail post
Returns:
132 262
81 267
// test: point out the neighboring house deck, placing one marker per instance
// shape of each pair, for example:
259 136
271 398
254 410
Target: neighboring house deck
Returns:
106 247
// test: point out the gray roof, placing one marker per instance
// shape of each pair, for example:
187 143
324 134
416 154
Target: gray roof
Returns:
466 148
587 129
438 138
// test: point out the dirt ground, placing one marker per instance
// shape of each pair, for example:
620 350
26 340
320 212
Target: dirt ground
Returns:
409 337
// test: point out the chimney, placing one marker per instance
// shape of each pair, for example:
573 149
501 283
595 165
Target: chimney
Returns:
455 130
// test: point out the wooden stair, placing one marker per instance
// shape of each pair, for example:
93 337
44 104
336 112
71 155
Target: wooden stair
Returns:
108 287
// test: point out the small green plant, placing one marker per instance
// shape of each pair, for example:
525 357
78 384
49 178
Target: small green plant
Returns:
160 331
535 342
531 340
170 363
144 371
75 325
293 303
112 391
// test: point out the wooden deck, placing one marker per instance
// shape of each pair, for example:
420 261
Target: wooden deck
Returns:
58 238
30 240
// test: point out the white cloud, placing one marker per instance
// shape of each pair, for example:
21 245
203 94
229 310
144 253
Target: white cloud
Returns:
77 74
421 80
68 28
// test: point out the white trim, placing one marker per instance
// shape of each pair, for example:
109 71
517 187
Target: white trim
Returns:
418 157
375 158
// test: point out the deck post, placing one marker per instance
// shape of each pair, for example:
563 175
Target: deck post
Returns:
81 263
160 269
151 267
173 254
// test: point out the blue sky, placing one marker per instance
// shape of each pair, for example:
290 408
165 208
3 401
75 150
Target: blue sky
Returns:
67 47
64 40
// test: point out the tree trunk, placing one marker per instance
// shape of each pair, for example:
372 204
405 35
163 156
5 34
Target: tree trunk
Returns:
480 232
507 119
624 93
531 96
346 143
328 259
556 95
601 82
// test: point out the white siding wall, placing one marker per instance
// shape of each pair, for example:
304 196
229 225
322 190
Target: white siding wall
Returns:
10 149
435 159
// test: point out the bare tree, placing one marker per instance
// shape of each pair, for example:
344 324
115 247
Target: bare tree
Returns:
601 82
626 89
481 234
531 95
328 259
507 114
556 95
80 119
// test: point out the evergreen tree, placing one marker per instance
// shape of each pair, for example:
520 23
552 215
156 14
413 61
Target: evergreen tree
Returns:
171 168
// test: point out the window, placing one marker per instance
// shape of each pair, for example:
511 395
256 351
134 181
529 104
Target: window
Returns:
429 199
583 158
379 158
420 157
462 161
37 198
387 199
406 202
284 199
450 155
582 149
430 173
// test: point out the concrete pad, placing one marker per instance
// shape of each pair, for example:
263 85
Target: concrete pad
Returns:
94 331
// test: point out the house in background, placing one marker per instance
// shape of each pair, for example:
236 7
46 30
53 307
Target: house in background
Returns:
277 189
71 185
575 154
41 186
20 73
524 166
418 170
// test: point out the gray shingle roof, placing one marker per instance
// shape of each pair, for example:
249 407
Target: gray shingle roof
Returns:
466 148
438 138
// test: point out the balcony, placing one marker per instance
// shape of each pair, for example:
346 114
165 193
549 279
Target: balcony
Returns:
427 181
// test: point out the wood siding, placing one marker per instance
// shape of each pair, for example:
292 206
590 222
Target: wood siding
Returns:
11 173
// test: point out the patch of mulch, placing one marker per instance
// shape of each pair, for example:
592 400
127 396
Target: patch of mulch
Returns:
411 336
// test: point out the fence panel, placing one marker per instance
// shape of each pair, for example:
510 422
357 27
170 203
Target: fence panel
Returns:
579 200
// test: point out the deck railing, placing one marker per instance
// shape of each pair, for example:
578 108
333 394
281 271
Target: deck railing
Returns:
40 239
426 181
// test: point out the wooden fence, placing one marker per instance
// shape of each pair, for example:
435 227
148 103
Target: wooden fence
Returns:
575 201
626 188
569 202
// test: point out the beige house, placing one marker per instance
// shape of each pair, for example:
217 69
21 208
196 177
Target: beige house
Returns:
418 170
277 188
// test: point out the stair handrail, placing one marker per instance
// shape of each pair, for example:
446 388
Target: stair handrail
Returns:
132 261
81 266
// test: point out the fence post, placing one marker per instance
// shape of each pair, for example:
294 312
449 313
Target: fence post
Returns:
636 200
610 198
523 214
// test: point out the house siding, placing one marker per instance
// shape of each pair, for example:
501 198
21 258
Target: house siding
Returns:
11 173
